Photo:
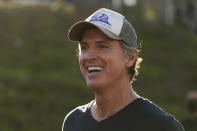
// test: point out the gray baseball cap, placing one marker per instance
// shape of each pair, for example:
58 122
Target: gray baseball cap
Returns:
111 23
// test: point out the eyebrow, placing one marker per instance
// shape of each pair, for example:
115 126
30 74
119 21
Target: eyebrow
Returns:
101 41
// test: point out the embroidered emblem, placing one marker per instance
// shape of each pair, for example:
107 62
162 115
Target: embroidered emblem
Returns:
100 17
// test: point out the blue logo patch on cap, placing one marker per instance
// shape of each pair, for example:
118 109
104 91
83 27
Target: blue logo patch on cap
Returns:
100 17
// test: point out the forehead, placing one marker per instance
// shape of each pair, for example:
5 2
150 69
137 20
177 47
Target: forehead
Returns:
94 33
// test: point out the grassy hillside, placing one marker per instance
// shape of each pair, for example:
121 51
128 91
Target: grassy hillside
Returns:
40 80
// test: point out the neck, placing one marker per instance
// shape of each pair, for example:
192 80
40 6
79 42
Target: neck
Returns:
111 101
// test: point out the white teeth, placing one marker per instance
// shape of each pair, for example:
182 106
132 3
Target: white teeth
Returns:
95 68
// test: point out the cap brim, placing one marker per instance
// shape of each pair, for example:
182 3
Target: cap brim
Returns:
76 31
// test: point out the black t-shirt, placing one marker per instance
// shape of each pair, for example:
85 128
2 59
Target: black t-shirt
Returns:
139 115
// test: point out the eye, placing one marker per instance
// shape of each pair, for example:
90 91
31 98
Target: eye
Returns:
103 46
83 46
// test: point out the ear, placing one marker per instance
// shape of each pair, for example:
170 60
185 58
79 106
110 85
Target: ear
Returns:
132 56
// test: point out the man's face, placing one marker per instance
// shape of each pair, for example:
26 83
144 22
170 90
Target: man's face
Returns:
101 60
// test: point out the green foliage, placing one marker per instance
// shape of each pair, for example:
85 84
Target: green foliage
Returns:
39 73
40 80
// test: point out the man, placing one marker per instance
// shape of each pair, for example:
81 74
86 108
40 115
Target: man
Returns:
190 123
108 58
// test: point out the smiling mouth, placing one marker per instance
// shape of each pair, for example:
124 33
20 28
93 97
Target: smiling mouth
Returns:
94 69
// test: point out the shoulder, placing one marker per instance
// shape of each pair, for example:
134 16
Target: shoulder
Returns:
169 123
75 115
158 118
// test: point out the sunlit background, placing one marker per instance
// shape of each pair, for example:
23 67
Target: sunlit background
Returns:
40 80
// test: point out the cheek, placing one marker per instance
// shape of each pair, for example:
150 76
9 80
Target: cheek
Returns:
82 60
119 63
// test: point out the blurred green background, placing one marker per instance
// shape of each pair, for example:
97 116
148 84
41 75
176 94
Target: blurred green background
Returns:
40 80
